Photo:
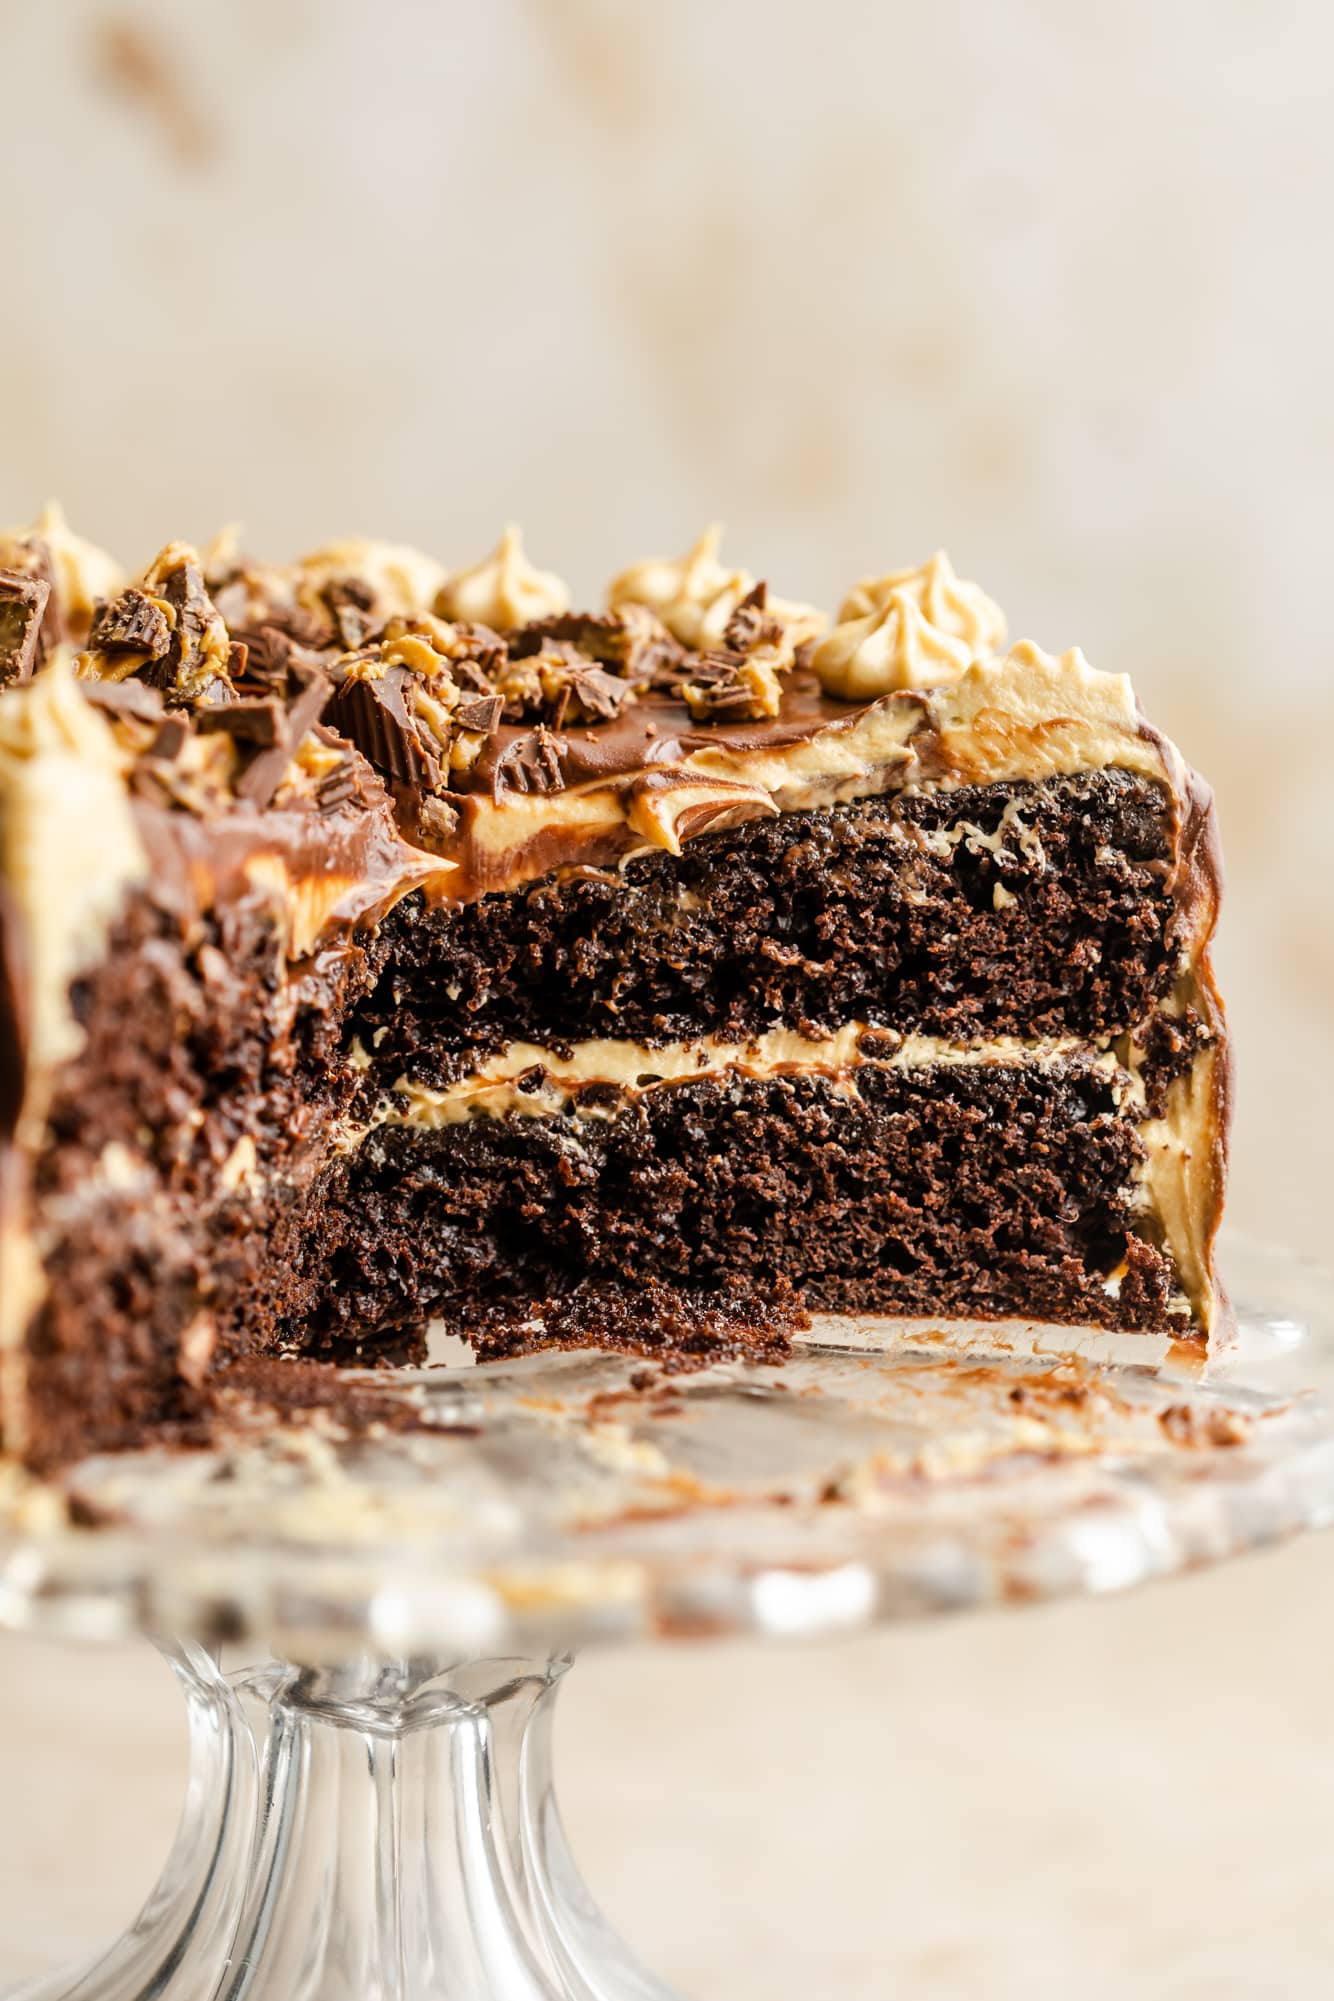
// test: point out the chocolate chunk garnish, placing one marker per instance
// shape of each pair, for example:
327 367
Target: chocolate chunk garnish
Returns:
336 786
23 601
530 764
273 656
598 693
716 689
479 712
631 640
183 588
302 626
131 623
351 603
474 671
172 732
372 713
231 598
437 819
258 720
214 693
277 635
267 650
151 785
125 698
29 556
751 625
260 780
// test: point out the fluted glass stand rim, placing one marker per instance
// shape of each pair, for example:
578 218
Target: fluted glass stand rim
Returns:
546 1504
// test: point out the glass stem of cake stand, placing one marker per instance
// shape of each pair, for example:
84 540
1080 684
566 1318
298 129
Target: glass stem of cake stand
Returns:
384 1831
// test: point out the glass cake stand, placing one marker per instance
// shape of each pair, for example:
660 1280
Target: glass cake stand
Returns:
369 1810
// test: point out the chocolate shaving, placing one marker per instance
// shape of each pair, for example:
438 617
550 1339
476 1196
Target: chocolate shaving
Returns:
257 720
131 623
480 712
372 714
530 764
23 602
261 779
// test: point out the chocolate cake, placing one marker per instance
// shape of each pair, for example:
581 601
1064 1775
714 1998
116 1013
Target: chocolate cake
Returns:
384 946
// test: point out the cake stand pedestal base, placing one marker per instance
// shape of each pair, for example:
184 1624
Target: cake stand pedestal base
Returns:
382 1831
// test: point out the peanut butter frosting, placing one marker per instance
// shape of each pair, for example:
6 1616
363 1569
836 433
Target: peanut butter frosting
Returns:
958 609
504 590
529 1081
893 646
84 574
697 596
70 852
918 628
405 581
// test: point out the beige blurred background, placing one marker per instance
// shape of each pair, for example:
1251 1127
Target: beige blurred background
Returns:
1049 284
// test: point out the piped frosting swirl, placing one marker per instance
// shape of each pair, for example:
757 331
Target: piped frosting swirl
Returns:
946 600
504 590
918 628
697 596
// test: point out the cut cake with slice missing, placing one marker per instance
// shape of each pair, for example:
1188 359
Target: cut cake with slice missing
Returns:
383 945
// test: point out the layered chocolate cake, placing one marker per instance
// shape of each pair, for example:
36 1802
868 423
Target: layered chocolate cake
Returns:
384 946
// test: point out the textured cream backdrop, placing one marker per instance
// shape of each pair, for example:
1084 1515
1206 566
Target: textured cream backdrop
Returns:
1046 283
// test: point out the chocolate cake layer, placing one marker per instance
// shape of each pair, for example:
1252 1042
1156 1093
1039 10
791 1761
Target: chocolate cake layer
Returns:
183 1142
990 1190
1029 909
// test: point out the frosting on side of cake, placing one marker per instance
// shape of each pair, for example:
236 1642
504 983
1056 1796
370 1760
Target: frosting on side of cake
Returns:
69 852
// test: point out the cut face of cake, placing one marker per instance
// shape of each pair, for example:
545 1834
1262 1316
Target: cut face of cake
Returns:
383 945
